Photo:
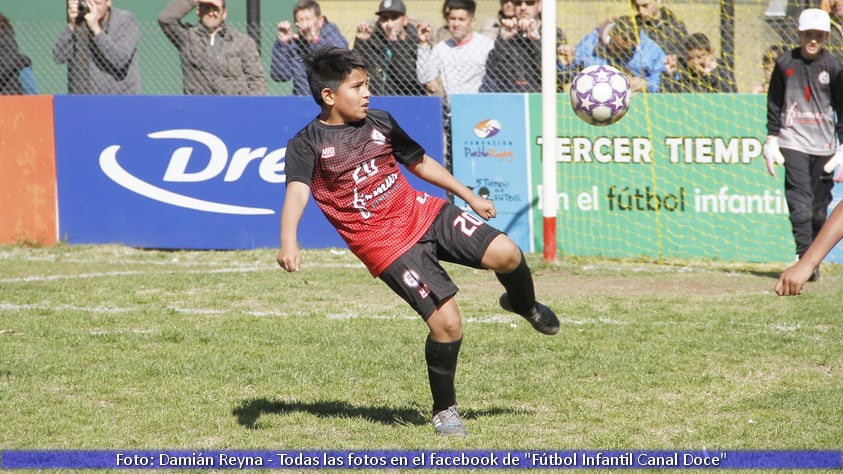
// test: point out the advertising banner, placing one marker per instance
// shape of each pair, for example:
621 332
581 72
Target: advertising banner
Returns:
490 155
681 175
195 172
27 170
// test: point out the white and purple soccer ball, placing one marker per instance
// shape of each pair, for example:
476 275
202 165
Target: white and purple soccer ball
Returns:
600 95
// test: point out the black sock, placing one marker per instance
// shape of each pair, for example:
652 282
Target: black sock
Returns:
441 368
519 287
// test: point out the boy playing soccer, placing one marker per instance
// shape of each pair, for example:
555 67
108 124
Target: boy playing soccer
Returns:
348 157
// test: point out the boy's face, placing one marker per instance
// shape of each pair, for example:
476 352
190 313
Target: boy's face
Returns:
811 43
350 102
460 24
701 60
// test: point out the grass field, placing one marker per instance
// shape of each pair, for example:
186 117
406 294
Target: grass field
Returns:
108 347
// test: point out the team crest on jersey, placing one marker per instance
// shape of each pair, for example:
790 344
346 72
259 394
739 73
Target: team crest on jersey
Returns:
411 279
378 137
329 152
823 78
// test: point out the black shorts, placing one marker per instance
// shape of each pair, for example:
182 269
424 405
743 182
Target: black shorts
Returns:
455 236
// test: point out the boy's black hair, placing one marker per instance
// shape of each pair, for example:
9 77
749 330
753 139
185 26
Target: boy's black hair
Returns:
469 5
698 41
328 66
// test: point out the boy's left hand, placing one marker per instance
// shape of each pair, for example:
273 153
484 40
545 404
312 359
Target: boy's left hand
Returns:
483 207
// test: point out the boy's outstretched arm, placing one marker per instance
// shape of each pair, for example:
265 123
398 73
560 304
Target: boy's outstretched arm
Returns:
431 171
295 200
791 280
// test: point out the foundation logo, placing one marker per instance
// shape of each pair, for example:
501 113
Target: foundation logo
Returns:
487 128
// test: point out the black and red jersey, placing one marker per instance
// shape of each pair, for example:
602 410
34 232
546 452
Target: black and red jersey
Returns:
352 170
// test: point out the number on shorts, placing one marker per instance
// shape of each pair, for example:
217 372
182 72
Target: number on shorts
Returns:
468 223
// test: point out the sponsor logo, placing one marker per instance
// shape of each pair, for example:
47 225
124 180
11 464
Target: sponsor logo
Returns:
487 128
378 137
824 78
329 152
231 168
411 279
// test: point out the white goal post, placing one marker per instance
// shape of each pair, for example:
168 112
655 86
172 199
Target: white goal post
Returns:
549 196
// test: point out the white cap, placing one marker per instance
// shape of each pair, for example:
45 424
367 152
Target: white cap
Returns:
814 19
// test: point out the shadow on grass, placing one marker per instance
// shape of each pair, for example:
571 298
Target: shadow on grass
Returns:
773 275
249 412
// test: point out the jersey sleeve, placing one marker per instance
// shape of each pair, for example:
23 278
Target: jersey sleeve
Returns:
299 160
406 150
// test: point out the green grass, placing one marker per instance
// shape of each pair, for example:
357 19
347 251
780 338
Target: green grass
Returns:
107 347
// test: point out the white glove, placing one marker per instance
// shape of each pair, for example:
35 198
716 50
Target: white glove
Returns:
835 162
772 155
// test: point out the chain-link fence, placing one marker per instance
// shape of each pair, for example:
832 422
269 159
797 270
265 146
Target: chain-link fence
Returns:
738 32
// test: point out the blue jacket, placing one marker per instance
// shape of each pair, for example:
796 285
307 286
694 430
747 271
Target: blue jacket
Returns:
288 58
647 61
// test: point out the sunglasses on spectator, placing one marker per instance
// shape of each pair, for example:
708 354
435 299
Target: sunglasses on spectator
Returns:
529 3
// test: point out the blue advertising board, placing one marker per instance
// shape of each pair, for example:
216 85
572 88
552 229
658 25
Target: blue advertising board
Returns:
490 155
196 172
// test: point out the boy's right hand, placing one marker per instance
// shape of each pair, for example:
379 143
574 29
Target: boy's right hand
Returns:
289 257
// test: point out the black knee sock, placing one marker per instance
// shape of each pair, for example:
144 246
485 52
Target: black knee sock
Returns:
441 368
519 286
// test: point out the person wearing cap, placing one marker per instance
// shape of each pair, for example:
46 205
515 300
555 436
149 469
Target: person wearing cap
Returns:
100 47
390 48
620 44
215 59
290 49
804 101
514 65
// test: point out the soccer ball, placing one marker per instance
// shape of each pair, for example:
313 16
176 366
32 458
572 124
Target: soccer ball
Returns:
600 95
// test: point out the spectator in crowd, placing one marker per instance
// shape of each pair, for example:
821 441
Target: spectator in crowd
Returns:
619 44
514 65
661 25
804 106
390 48
701 71
493 24
835 38
442 33
100 48
460 61
314 32
16 75
768 61
215 59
